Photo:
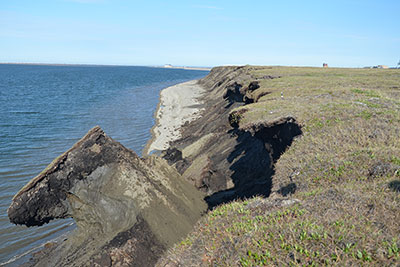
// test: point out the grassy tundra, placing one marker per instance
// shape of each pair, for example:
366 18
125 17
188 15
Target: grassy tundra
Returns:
336 190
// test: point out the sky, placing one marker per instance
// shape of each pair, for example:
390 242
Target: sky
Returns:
351 33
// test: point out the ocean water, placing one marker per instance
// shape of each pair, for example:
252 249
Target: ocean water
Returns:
44 110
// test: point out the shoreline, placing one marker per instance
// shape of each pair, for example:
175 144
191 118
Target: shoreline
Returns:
145 151
178 105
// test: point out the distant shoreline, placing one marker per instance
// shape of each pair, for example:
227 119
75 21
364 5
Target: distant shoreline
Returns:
185 68
107 65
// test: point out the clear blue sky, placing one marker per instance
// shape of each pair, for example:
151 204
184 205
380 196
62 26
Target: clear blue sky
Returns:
351 33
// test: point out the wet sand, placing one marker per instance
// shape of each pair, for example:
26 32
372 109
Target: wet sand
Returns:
178 104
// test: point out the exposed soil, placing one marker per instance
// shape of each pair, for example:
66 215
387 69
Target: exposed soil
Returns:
237 162
135 247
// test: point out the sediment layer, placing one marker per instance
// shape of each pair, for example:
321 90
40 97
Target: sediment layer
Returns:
122 204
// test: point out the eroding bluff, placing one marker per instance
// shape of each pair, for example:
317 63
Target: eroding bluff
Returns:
128 210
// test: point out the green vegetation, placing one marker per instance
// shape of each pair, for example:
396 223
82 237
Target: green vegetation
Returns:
345 171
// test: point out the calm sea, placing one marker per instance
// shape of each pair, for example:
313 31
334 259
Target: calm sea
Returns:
44 110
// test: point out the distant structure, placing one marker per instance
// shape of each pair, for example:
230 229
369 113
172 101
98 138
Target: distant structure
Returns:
167 66
377 67
381 67
325 65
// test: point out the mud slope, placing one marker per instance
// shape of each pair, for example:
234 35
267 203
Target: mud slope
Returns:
128 210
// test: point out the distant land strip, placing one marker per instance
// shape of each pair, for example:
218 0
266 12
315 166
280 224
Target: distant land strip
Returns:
114 65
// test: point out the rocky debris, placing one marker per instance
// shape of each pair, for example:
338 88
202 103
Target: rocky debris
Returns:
127 209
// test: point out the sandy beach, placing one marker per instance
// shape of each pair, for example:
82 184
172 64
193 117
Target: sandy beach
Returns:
178 104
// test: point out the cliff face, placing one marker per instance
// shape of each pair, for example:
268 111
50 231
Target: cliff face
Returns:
129 210
122 204
221 159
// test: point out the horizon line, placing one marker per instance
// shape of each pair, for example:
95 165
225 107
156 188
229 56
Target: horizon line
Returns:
169 66
166 66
